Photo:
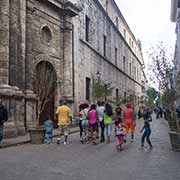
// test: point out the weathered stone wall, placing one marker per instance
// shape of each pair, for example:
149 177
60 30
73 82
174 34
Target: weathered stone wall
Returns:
177 59
114 13
17 43
4 41
89 55
31 31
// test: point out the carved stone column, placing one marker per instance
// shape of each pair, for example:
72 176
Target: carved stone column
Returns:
4 42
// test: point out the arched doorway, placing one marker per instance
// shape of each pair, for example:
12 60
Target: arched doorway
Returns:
44 84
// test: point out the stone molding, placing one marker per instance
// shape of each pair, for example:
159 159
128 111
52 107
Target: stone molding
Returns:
45 57
10 91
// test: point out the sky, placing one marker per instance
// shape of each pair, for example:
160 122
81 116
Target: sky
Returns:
150 22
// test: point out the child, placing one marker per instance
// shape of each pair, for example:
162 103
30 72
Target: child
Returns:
119 133
147 130
49 130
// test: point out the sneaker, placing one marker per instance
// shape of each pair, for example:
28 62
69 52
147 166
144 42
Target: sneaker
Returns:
151 146
58 140
65 142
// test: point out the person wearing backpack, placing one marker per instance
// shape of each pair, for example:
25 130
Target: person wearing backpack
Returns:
3 118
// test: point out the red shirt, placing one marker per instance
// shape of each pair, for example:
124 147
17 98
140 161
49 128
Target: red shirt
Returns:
128 115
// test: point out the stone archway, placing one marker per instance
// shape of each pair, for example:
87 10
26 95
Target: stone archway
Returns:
44 84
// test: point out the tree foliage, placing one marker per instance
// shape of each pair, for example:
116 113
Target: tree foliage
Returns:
101 90
162 72
161 66
152 96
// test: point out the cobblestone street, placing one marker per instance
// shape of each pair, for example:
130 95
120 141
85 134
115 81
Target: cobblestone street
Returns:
88 162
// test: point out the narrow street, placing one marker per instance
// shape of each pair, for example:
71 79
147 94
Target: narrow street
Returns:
88 162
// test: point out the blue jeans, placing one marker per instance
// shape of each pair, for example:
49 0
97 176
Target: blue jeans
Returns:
146 135
108 129
1 133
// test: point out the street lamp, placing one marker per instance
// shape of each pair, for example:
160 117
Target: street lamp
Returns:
98 75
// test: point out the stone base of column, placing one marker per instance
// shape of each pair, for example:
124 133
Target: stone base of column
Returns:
30 105
10 130
13 100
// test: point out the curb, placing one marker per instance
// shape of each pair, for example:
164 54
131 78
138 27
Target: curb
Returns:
29 141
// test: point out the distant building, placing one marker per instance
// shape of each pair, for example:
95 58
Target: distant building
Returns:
175 17
73 41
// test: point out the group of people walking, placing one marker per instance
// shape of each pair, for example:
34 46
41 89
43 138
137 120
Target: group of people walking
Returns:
95 123
102 116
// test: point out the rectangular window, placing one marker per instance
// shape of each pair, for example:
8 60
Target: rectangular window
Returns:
135 73
106 5
130 69
104 45
116 53
124 34
124 63
117 95
129 41
87 23
117 22
88 83
124 95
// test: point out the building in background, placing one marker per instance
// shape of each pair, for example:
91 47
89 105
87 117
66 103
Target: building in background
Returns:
106 45
73 42
175 17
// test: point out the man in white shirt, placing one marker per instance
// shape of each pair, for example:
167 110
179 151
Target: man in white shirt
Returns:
100 111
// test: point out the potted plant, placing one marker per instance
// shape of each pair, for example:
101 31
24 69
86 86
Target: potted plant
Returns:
162 69
44 82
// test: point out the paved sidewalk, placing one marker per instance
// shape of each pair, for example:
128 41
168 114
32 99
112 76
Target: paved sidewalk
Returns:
78 161
26 139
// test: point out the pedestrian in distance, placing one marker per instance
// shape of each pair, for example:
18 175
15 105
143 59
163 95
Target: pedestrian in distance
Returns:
129 119
3 119
48 124
93 123
119 133
63 114
100 111
146 128
108 121
80 116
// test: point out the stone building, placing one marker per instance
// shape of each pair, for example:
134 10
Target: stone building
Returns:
64 44
175 17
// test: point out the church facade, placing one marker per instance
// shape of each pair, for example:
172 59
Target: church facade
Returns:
60 47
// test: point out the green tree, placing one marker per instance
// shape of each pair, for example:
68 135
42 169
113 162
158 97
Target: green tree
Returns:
162 72
152 96
101 90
